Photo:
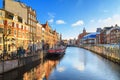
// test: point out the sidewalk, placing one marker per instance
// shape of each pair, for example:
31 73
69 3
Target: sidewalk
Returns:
11 64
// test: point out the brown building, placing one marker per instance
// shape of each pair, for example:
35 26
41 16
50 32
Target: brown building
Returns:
113 35
19 21
15 32
27 14
103 35
49 36
32 22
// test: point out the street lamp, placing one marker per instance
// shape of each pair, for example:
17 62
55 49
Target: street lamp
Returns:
5 40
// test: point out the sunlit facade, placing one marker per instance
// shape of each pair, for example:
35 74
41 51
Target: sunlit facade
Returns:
26 13
49 36
15 30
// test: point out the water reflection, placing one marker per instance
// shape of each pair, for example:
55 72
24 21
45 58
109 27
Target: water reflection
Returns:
76 64
80 64
39 70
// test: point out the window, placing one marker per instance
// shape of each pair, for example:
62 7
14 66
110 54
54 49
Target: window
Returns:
19 33
29 15
14 32
0 13
10 16
20 19
17 25
9 47
1 21
12 24
21 26
1 30
1 39
9 23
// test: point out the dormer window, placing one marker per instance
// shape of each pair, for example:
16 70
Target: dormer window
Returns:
20 19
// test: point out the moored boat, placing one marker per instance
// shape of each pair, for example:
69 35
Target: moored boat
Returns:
56 51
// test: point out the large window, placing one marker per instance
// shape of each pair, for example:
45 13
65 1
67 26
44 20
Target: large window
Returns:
1 30
0 13
9 16
1 39
20 19
15 32
1 21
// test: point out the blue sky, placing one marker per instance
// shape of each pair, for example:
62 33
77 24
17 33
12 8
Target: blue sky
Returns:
69 17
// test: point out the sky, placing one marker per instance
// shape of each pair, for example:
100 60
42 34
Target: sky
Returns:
69 17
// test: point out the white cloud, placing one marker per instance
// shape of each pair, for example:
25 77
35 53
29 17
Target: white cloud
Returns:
51 20
61 69
51 15
78 23
79 66
105 22
60 22
115 19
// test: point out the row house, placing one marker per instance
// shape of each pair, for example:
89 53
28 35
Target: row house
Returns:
109 35
14 31
102 37
27 14
49 36
113 35
20 27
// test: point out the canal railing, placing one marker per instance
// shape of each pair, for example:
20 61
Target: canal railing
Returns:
19 61
110 52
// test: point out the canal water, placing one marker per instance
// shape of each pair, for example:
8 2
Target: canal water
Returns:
75 64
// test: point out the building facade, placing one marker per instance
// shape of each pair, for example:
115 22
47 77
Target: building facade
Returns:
113 35
14 32
19 28
90 38
103 35
49 36
27 14
79 40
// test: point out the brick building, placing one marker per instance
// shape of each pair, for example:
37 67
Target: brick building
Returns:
16 33
79 40
113 35
102 37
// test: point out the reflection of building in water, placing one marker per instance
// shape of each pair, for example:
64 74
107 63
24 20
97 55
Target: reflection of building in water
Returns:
49 66
41 71
36 73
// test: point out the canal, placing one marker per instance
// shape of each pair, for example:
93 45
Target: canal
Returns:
76 64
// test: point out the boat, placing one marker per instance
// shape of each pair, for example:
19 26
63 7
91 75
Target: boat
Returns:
52 55
56 51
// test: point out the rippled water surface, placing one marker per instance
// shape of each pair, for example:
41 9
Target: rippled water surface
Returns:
80 64
75 64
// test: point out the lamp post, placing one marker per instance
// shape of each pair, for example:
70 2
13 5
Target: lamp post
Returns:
5 40
5 44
